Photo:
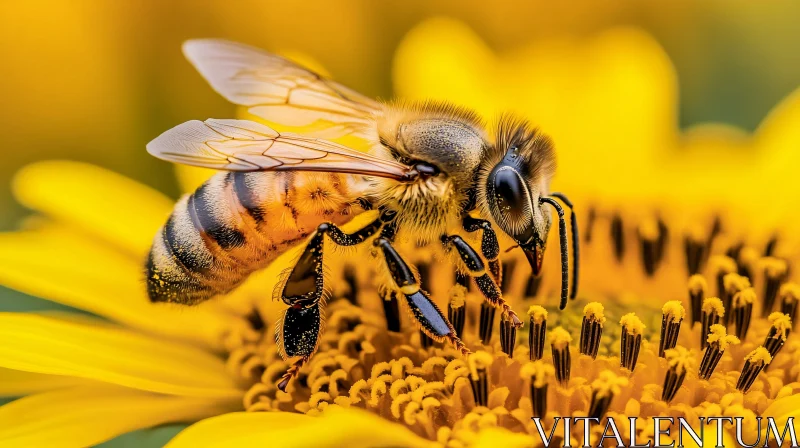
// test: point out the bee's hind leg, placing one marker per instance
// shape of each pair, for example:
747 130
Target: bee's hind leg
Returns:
477 270
430 318
298 331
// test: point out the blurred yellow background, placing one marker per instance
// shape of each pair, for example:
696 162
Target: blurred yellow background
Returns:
94 80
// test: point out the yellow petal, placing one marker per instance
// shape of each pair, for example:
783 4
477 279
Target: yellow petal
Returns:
74 270
87 415
102 202
191 177
16 383
42 344
336 427
492 437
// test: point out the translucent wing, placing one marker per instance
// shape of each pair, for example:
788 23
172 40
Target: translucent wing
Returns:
278 90
241 145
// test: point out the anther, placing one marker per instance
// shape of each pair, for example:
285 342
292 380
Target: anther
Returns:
618 236
754 363
508 335
539 374
651 241
592 329
538 329
562 361
672 315
778 332
630 340
712 313
774 275
694 244
679 361
697 291
391 309
732 284
486 323
457 309
718 341
790 296
742 311
604 388
479 363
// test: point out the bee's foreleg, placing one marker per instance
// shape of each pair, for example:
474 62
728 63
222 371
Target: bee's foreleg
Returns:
475 267
490 248
430 318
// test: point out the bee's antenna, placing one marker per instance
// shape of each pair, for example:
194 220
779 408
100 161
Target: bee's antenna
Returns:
562 234
573 221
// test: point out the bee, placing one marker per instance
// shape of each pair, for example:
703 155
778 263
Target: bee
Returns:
432 173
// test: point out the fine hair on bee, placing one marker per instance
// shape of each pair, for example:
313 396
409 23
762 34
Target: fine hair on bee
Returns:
430 173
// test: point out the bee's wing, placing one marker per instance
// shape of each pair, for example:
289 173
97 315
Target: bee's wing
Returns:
241 145
278 90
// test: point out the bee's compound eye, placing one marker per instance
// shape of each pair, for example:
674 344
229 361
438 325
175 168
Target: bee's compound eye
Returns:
509 193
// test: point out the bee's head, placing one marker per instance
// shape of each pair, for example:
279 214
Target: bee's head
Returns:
514 176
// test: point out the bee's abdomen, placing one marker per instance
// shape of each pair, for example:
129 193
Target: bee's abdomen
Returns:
236 223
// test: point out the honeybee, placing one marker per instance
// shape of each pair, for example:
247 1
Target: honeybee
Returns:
431 172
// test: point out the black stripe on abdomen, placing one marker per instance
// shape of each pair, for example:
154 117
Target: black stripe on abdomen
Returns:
247 198
190 258
222 233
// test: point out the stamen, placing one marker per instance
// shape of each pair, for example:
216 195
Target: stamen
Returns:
479 363
618 236
743 310
718 342
424 340
672 315
778 332
507 275
592 329
486 322
630 340
352 284
652 241
604 388
720 266
732 284
753 365
391 310
712 313
747 260
463 280
532 287
769 249
774 274
539 373
694 244
255 320
559 344
457 309
790 296
537 331
508 335
591 216
679 361
697 291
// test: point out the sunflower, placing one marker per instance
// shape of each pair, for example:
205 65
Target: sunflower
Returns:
682 312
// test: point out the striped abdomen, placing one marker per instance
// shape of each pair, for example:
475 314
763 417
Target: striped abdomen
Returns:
237 223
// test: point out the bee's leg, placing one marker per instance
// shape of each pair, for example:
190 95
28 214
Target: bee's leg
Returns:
432 322
476 269
490 248
299 330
